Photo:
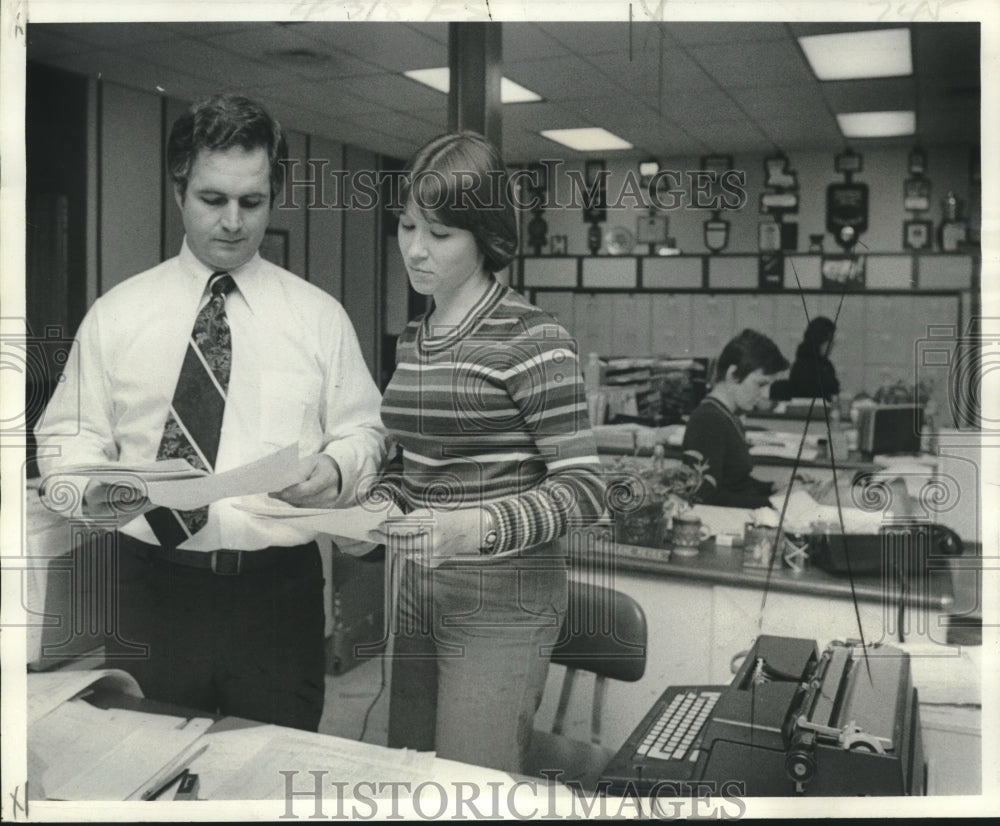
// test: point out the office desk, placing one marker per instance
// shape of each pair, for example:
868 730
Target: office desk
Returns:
704 611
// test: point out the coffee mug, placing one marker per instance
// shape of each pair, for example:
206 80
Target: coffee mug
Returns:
758 543
687 534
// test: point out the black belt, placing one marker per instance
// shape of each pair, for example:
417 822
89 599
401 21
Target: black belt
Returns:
223 562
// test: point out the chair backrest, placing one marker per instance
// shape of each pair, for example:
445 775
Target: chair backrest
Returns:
604 632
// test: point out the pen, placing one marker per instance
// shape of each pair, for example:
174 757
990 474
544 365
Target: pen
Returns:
158 790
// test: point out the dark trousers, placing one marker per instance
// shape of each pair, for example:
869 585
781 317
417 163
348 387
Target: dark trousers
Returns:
248 644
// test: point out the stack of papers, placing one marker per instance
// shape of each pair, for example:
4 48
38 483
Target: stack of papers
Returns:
77 751
781 445
174 483
357 523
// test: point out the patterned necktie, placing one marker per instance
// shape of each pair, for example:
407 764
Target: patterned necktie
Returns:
194 423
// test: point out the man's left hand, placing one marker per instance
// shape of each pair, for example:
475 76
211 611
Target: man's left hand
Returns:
320 487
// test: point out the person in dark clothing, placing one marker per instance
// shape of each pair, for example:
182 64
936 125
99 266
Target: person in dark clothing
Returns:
813 375
744 372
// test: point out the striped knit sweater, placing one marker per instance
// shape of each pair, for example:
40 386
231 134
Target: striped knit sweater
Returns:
492 413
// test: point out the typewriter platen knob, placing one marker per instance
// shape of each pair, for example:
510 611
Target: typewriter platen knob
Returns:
800 766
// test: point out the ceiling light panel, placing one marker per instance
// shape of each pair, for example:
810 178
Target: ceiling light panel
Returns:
588 139
440 79
877 124
856 55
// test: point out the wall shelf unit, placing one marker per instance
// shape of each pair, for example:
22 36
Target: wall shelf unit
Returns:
691 305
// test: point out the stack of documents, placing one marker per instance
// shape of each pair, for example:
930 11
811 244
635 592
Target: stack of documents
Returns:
77 751
174 483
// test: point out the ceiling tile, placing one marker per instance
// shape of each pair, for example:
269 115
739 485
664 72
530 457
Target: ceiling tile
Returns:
46 40
435 31
106 35
889 93
590 38
642 73
544 115
207 28
529 41
803 133
393 91
697 108
567 78
662 139
696 34
523 147
807 29
785 103
741 64
107 65
279 49
724 133
200 59
314 97
395 123
389 45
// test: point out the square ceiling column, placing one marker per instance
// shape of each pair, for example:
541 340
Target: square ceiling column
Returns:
475 64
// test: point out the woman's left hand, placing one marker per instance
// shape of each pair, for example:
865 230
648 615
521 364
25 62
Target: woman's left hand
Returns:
432 536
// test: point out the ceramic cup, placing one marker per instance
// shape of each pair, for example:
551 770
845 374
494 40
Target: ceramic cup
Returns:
687 534
758 543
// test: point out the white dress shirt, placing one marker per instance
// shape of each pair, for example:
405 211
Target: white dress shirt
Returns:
297 375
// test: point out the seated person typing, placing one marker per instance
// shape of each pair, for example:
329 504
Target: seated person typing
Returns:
744 371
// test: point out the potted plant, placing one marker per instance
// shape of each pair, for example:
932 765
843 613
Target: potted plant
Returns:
650 494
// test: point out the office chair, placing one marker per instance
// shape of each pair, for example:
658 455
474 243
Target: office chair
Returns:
605 633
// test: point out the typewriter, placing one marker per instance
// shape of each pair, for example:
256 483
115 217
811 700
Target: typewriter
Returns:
794 721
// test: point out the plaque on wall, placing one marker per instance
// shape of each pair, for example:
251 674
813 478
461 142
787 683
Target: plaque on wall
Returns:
846 211
769 236
848 162
917 194
619 241
953 235
651 229
917 235
771 271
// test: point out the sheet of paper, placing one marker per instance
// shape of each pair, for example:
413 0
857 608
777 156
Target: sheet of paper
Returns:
274 472
82 752
244 764
48 690
803 511
111 473
353 523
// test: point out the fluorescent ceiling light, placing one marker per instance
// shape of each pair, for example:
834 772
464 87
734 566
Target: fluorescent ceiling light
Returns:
440 79
511 92
585 140
853 55
877 124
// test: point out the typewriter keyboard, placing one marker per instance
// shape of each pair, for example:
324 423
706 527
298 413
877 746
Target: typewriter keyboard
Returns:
673 733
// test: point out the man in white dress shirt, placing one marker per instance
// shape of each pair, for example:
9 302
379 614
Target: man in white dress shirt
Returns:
231 610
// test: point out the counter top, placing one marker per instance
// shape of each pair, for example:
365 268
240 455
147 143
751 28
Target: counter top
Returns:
723 565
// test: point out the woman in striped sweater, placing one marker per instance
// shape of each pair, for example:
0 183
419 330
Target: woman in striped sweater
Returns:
498 460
